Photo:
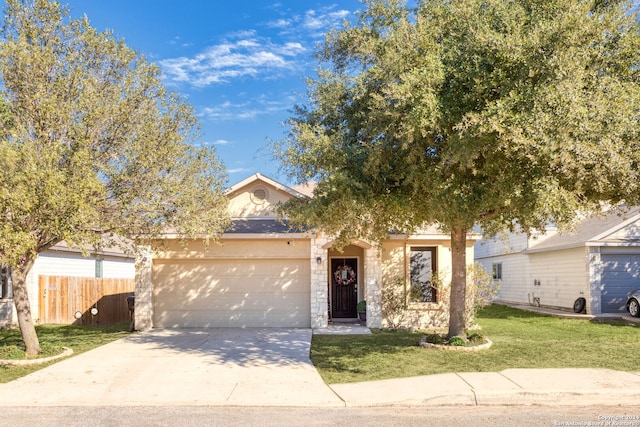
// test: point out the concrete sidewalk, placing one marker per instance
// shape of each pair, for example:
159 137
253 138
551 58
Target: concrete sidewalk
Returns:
271 367
509 387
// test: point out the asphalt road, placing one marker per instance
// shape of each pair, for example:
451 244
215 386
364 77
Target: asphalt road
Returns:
463 416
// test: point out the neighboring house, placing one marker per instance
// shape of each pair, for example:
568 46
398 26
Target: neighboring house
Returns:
264 274
598 261
60 260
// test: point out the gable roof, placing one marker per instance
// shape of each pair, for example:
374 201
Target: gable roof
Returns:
112 245
589 232
265 179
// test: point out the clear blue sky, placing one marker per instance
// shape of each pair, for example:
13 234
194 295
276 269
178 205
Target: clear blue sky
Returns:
241 64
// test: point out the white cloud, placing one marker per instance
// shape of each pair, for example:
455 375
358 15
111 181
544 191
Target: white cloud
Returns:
248 110
245 53
279 23
237 170
233 59
323 19
312 21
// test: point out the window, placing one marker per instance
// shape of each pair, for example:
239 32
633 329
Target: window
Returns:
99 266
497 271
259 195
422 267
6 290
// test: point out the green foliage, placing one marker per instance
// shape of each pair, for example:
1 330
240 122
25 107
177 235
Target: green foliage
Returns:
92 141
54 337
457 341
437 339
521 339
472 339
475 338
17 352
394 303
468 112
482 289
361 307
92 146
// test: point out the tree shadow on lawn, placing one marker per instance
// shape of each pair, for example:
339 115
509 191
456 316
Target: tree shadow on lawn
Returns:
498 311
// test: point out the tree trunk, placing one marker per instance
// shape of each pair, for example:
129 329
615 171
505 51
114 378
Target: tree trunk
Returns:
458 282
23 308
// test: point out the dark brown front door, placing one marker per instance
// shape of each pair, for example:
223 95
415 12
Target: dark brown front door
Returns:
344 287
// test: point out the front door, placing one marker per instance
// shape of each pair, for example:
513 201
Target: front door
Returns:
344 287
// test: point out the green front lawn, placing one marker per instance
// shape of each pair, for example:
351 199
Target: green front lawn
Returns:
52 338
520 340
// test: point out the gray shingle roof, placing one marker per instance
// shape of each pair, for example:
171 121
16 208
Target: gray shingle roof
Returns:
585 231
260 226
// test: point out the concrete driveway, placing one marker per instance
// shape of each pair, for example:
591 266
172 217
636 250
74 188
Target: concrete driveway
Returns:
269 367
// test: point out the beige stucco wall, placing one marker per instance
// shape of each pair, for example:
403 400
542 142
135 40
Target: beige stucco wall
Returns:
309 254
395 279
243 204
234 248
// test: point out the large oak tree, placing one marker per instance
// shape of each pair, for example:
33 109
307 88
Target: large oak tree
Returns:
469 112
91 144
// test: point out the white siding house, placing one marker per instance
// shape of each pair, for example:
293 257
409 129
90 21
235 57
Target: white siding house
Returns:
598 261
60 260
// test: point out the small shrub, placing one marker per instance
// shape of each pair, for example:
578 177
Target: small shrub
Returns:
394 303
482 289
475 338
15 352
435 339
11 352
457 341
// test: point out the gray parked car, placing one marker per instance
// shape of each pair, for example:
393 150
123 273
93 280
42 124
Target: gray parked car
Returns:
632 303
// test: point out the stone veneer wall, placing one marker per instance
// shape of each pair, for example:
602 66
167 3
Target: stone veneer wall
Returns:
144 290
373 286
319 284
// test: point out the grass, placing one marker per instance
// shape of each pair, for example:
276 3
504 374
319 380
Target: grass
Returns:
52 339
521 339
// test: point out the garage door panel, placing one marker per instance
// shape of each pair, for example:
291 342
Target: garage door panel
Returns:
620 275
236 293
236 301
293 317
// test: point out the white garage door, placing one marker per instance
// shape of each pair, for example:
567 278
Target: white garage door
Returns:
231 293
620 275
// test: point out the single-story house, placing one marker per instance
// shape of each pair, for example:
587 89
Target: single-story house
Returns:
262 273
61 260
599 261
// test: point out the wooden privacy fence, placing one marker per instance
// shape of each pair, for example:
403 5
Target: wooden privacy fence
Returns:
74 300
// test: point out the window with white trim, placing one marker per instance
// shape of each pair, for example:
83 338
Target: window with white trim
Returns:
99 268
497 271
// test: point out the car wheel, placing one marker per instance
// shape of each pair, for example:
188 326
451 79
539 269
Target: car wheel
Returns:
634 307
579 305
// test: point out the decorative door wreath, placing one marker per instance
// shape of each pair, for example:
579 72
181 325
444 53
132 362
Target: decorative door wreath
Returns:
344 275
